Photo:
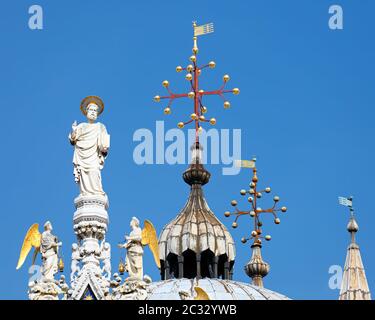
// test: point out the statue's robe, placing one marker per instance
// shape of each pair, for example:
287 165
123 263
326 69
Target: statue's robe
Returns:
134 254
88 158
49 255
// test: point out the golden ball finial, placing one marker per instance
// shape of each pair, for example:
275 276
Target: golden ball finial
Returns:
268 190
203 109
190 68
180 125
254 233
191 94
157 98
267 237
201 91
283 209
193 58
165 83
236 91
226 78
61 265
212 64
243 240
227 214
276 198
277 221
189 77
202 118
195 50
226 104
121 267
234 225
212 121
194 116
178 68
252 213
167 110
233 203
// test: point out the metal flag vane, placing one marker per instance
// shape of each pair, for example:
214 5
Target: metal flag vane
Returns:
347 202
255 212
196 94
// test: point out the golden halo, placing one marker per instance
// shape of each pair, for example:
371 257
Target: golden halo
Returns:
92 99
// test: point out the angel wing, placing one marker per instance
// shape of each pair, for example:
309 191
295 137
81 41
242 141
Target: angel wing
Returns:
150 238
201 294
32 239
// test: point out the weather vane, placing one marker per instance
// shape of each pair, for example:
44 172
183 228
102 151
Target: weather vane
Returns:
347 202
193 73
255 211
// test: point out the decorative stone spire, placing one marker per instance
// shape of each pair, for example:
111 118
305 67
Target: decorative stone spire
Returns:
196 243
354 283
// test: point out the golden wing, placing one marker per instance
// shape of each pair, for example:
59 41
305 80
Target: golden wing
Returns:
32 239
150 238
201 294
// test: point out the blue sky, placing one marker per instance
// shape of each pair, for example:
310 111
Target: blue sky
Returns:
305 109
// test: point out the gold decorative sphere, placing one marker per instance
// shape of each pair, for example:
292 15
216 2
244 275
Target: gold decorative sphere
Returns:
234 225
193 58
283 209
180 125
157 98
212 64
233 203
252 185
190 68
193 116
259 195
243 192
277 221
226 78
121 267
260 223
227 214
178 68
200 130
251 191
195 50
254 179
276 198
203 109
243 240
165 83
268 190
167 110
201 91
267 237
252 213
258 210
188 77
254 233
191 94
202 118
250 199
236 91
226 104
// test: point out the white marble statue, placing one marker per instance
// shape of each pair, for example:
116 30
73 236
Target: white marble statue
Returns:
105 256
134 250
91 144
76 258
49 247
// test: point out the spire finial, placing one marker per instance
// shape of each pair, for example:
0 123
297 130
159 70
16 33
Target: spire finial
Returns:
256 267
352 226
196 94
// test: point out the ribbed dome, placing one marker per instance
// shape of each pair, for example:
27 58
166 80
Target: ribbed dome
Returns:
196 228
196 243
215 288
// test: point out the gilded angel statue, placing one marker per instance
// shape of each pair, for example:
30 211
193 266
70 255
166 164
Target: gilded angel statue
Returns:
134 244
47 244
